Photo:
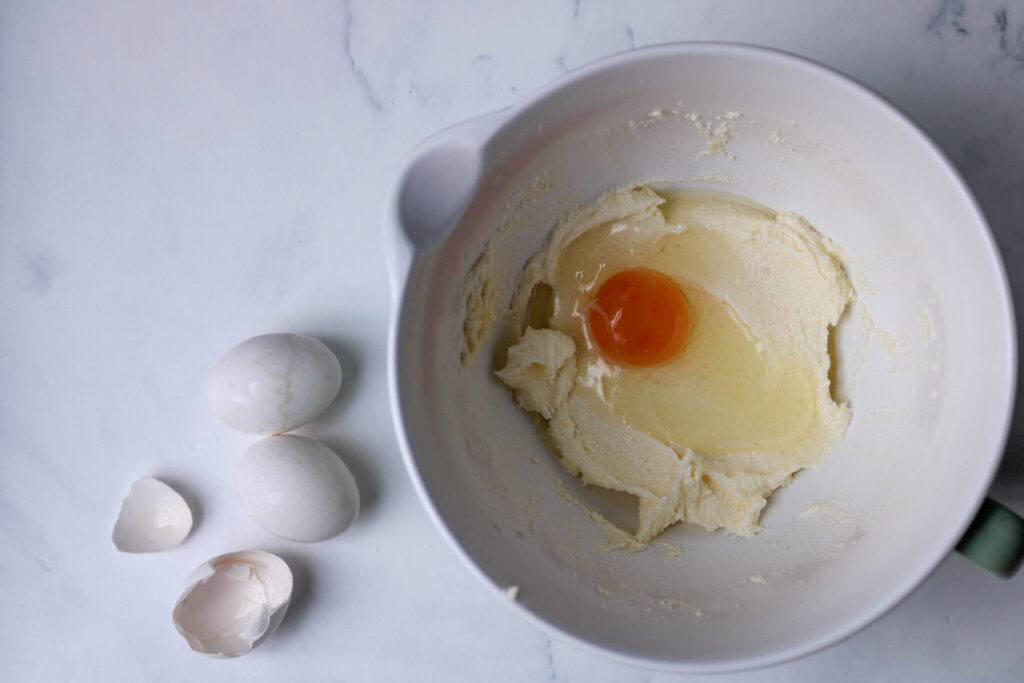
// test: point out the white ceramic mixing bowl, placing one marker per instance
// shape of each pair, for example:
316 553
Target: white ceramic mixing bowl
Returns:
931 402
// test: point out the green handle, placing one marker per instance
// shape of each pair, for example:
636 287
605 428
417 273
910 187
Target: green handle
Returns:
995 539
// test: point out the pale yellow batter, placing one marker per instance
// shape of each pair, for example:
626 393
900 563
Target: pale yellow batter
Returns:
707 436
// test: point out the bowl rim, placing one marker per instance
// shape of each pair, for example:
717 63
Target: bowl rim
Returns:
496 122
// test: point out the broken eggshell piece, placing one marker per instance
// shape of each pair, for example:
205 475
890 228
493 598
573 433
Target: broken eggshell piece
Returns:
153 517
233 602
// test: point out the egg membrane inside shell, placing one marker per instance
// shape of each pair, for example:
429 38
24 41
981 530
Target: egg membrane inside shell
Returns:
233 602
153 517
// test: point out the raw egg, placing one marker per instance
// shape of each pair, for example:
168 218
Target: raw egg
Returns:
671 358
639 317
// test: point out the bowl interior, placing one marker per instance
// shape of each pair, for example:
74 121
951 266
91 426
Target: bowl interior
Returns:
930 392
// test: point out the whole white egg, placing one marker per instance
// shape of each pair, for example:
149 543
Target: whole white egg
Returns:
297 488
274 383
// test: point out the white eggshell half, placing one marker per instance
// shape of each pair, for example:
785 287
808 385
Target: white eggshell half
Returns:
273 383
153 517
233 602
297 488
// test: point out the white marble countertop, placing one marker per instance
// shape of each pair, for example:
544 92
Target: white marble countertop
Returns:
178 176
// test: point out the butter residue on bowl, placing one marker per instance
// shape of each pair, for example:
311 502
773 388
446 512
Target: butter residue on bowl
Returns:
480 299
707 436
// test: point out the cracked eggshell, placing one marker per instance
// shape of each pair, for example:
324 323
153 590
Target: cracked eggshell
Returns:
297 488
234 602
153 517
273 383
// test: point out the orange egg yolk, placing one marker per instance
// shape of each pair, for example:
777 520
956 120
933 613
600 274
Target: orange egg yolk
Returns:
639 317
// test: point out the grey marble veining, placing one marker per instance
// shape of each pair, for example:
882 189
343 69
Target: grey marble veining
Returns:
178 176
